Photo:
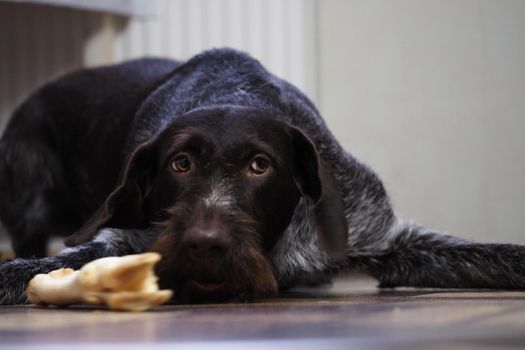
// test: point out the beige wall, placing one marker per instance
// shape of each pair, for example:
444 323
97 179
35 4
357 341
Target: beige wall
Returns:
431 94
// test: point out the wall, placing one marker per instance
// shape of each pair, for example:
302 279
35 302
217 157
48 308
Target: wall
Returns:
431 94
38 43
280 33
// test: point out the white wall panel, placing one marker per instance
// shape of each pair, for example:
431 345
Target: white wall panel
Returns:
280 33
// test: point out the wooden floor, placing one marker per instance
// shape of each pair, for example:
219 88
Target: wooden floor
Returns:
351 315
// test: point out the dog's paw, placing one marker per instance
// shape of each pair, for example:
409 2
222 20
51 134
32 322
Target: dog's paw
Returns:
14 277
10 295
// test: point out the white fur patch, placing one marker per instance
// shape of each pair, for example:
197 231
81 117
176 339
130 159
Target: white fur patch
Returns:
219 195
105 235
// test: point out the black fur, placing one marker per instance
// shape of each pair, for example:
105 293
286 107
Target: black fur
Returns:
78 155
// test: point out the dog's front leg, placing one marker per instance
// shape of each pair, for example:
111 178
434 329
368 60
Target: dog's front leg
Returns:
15 274
419 257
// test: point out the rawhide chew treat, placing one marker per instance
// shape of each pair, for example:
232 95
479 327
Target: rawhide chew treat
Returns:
121 283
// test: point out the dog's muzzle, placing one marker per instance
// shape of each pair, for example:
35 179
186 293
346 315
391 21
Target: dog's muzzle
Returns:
207 262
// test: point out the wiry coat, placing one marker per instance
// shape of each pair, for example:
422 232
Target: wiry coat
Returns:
354 227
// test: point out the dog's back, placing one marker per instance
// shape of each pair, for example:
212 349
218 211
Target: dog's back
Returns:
63 149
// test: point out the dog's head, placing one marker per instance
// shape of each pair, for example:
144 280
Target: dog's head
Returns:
221 185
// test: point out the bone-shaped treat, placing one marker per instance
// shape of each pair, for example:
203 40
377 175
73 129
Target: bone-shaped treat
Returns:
122 283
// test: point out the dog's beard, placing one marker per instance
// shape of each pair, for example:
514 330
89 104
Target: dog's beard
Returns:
243 272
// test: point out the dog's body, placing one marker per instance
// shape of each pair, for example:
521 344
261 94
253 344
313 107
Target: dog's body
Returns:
226 170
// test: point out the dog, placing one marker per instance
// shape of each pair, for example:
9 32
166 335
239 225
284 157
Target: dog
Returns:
226 170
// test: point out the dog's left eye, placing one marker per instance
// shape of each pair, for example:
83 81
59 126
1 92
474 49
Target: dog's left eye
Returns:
259 165
181 164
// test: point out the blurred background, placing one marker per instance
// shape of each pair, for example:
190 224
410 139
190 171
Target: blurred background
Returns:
429 93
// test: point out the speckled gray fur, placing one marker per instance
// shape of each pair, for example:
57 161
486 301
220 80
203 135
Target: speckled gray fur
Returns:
397 253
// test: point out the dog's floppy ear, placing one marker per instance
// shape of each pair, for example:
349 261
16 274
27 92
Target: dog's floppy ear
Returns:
123 208
315 178
306 165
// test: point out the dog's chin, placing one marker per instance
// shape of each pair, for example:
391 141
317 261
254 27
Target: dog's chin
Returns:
194 291
207 287
245 276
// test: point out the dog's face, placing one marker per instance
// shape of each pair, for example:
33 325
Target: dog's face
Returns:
221 186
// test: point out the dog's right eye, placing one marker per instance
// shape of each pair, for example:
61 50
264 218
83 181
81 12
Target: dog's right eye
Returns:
181 164
259 165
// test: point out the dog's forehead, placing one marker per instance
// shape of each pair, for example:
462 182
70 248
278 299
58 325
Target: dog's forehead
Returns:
230 128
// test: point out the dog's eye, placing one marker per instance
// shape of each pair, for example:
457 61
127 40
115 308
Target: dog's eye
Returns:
181 164
259 165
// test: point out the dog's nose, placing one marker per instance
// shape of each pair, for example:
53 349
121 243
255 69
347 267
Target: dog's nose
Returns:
206 242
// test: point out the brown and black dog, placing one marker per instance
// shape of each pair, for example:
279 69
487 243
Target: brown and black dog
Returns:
226 170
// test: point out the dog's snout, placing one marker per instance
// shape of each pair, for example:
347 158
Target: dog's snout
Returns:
201 243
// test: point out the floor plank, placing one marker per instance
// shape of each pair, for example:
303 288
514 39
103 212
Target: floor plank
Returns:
352 314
